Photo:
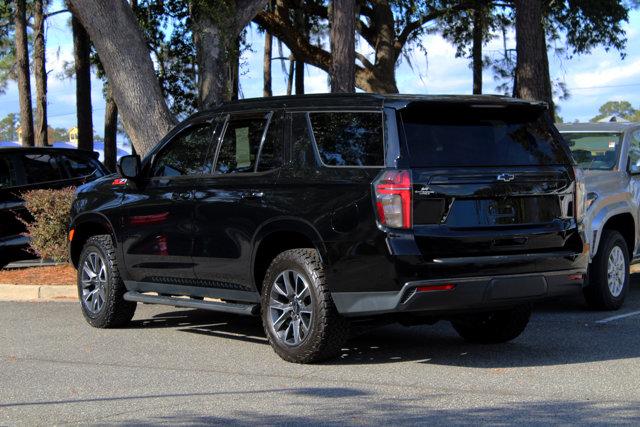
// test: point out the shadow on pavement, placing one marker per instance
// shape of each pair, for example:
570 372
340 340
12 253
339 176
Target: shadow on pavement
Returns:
405 412
561 332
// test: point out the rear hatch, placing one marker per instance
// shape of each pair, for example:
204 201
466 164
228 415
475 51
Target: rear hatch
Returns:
488 180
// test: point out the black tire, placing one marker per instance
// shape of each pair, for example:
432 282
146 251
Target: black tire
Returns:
494 327
115 311
598 294
327 330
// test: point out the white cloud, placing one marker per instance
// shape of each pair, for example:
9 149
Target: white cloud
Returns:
607 73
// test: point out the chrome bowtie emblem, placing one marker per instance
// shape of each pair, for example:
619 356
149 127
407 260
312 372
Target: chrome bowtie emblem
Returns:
425 191
505 177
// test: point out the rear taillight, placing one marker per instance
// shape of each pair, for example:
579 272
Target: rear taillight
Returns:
579 198
393 198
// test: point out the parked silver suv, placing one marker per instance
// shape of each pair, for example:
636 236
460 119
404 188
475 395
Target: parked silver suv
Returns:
609 154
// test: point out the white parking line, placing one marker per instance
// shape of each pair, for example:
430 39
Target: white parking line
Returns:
621 316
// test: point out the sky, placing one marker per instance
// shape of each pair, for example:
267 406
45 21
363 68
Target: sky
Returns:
591 79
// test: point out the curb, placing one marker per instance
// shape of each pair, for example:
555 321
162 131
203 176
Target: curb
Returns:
38 293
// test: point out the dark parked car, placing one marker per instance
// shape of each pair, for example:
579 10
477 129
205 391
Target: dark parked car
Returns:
323 211
25 169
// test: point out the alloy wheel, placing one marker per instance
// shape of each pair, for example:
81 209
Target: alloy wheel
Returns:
93 280
290 308
616 271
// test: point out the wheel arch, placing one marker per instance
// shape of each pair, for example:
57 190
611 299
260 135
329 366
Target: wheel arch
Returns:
85 226
624 223
280 235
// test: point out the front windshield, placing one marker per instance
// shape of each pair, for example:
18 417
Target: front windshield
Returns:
594 150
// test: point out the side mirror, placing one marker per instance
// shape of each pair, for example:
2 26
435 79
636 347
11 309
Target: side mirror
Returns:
129 166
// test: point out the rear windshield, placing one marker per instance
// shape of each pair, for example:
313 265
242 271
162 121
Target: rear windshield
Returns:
594 150
473 137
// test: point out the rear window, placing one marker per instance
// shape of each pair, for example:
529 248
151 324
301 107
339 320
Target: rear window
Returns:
594 150
7 173
80 167
41 168
349 138
471 137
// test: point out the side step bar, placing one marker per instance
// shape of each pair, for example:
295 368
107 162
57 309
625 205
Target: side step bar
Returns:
226 307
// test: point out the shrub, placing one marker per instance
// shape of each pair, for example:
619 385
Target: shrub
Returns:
50 211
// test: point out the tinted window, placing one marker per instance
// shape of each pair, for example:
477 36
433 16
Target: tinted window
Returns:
302 151
349 139
7 173
80 167
186 153
41 168
594 150
271 151
480 137
239 147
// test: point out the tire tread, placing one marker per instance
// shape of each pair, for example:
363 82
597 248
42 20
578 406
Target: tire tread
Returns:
117 312
597 293
333 329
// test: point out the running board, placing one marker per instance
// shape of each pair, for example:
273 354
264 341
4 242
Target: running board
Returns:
226 307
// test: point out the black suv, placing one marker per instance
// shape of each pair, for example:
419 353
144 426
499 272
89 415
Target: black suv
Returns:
317 211
26 169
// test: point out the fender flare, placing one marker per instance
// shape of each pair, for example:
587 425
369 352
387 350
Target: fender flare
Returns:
94 218
602 217
290 224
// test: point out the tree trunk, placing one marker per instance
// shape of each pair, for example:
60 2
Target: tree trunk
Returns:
24 84
110 131
41 129
210 57
123 52
234 72
292 65
266 85
371 77
532 68
343 46
82 60
299 77
478 37
215 45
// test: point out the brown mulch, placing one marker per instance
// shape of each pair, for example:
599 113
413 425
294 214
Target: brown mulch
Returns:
54 275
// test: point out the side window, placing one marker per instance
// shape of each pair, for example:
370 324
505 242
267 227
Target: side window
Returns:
80 167
7 172
271 151
186 153
349 138
239 147
41 168
634 148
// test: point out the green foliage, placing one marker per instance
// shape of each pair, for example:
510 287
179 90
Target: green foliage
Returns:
7 46
167 29
58 135
8 127
621 109
573 27
48 231
457 25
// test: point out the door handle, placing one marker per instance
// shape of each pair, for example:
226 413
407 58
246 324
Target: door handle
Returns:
184 195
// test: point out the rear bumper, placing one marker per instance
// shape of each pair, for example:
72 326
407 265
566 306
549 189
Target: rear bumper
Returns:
469 294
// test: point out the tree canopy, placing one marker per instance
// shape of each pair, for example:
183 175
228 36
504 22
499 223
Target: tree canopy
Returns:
619 109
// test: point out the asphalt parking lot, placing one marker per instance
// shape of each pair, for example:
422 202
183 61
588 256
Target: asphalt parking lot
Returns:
176 366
